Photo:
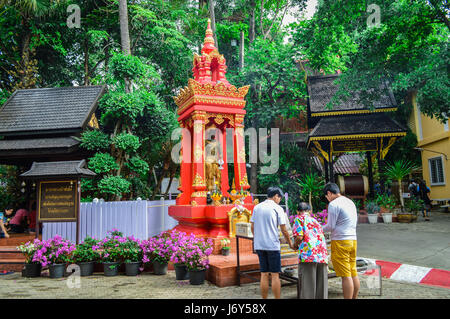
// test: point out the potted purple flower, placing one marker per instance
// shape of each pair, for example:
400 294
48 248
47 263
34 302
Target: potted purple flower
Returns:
132 255
110 252
55 253
32 268
197 252
158 250
178 254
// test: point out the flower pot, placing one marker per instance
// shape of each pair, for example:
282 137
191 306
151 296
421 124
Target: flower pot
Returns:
86 268
387 218
32 270
159 268
132 268
57 270
111 268
373 218
181 272
225 252
197 277
404 218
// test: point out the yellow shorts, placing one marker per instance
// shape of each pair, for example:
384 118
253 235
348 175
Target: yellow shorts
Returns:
343 257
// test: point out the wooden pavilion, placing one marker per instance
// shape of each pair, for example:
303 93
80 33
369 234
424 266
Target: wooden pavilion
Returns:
349 126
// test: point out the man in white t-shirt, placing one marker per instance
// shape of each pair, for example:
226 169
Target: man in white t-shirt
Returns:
266 218
341 222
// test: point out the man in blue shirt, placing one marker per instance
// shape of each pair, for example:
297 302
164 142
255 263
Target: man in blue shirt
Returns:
266 218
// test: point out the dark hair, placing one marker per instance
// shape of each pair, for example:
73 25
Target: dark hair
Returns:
272 191
8 207
331 187
303 207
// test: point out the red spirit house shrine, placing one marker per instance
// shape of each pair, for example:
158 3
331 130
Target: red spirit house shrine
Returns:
210 104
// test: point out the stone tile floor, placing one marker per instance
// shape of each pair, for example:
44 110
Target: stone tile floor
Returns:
147 285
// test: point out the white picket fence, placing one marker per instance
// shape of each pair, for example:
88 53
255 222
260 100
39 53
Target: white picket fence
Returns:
141 219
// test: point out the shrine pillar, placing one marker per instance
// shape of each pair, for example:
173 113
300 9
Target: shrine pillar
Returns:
185 184
198 196
240 168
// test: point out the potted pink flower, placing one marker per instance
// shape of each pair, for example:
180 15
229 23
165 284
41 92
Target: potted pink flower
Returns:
158 251
110 252
55 253
197 261
29 249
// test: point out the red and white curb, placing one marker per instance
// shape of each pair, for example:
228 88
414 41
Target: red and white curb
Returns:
414 274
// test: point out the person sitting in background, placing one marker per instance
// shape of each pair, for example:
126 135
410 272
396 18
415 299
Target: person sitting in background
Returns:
312 254
16 223
3 221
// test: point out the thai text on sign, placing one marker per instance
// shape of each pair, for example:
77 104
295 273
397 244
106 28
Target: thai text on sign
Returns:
58 200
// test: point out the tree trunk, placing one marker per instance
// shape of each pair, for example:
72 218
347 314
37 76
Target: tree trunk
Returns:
124 33
86 61
213 22
241 51
251 24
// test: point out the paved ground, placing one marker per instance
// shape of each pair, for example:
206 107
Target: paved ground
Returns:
166 287
425 244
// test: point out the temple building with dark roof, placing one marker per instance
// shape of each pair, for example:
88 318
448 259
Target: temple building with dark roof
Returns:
40 125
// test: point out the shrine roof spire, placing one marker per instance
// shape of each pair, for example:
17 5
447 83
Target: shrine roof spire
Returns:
208 42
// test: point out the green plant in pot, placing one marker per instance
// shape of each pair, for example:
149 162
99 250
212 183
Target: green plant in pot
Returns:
226 246
398 170
412 207
373 209
85 256
132 255
110 252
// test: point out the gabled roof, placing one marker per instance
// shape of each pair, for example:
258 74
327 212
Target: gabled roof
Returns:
58 169
49 110
321 90
366 124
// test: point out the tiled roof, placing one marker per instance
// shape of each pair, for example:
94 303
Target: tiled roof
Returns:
45 110
356 124
321 90
345 164
38 143
56 169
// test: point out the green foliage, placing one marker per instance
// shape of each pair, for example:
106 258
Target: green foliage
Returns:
95 140
102 163
386 201
137 165
311 186
126 66
414 205
127 142
113 185
372 207
398 170
410 49
84 251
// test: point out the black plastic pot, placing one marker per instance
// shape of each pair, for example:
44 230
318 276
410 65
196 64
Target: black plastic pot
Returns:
111 269
32 270
197 277
132 268
86 268
159 268
57 270
225 252
181 272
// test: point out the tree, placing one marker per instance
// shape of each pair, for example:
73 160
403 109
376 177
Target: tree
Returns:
398 170
409 49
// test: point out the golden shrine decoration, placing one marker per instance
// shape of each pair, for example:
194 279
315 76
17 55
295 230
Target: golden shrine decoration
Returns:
238 214
199 194
244 180
195 88
198 181
198 153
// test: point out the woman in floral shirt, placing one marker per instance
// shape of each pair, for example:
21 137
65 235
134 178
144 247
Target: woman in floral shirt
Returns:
312 254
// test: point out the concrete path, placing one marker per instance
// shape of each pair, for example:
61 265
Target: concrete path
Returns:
425 244
147 285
